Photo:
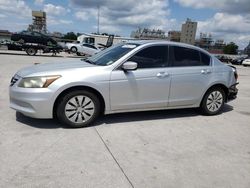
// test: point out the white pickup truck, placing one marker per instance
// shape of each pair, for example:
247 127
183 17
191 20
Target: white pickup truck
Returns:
82 48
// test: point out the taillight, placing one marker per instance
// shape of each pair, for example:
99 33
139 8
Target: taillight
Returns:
236 75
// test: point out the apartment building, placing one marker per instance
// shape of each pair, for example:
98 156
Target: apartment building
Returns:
188 32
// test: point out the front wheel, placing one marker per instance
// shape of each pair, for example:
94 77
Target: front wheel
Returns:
213 101
78 108
73 49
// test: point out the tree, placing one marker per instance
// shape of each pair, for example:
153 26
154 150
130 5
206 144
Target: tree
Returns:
70 36
230 48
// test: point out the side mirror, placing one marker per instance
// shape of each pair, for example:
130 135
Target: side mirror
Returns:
129 66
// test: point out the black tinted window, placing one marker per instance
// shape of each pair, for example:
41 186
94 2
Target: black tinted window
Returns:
185 57
151 57
89 40
205 59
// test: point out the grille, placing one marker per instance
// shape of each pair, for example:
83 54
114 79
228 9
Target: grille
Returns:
14 79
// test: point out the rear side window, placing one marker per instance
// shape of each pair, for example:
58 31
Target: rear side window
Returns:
183 57
151 57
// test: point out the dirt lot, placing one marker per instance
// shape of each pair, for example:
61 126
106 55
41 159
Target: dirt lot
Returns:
172 148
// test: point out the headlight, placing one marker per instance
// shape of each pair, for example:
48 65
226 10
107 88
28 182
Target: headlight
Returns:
37 82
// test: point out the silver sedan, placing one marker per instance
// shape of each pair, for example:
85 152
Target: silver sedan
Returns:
134 76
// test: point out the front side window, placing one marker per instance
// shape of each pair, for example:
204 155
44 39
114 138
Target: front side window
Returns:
151 57
183 57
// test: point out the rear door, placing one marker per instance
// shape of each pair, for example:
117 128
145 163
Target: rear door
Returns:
190 72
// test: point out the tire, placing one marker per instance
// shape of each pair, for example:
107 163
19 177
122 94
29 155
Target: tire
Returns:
213 101
78 108
31 51
73 49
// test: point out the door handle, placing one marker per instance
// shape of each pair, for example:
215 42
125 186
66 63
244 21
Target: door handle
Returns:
162 74
205 71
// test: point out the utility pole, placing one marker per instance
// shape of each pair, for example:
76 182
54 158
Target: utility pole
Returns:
98 20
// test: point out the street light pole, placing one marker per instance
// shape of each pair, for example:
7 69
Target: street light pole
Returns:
98 20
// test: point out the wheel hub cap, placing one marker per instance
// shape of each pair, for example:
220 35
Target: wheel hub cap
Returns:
79 109
214 101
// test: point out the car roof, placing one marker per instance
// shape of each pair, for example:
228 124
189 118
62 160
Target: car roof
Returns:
152 42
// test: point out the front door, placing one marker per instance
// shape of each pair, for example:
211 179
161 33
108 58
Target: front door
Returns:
146 87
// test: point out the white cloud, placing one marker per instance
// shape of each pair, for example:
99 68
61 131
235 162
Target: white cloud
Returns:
224 22
51 9
230 27
232 6
115 14
230 23
53 21
16 7
39 2
3 16
82 15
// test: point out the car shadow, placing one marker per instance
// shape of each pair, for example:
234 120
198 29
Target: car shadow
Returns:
118 118
153 115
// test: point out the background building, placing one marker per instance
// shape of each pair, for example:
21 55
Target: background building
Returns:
39 22
148 34
247 50
174 36
188 32
208 43
5 35
205 41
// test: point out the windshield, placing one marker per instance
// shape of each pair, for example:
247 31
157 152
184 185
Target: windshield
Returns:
112 54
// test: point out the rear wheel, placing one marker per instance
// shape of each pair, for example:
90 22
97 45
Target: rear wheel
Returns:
213 101
73 49
78 108
31 51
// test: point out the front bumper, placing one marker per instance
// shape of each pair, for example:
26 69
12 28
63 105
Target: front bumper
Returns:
32 102
232 92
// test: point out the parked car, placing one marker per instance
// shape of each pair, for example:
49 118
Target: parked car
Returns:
224 59
135 76
82 48
246 62
33 37
238 61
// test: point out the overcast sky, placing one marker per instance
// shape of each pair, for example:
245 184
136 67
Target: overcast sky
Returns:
224 19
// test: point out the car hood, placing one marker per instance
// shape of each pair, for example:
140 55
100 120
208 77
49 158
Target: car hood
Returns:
52 67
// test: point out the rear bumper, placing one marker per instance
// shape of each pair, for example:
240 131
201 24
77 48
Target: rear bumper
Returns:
232 92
